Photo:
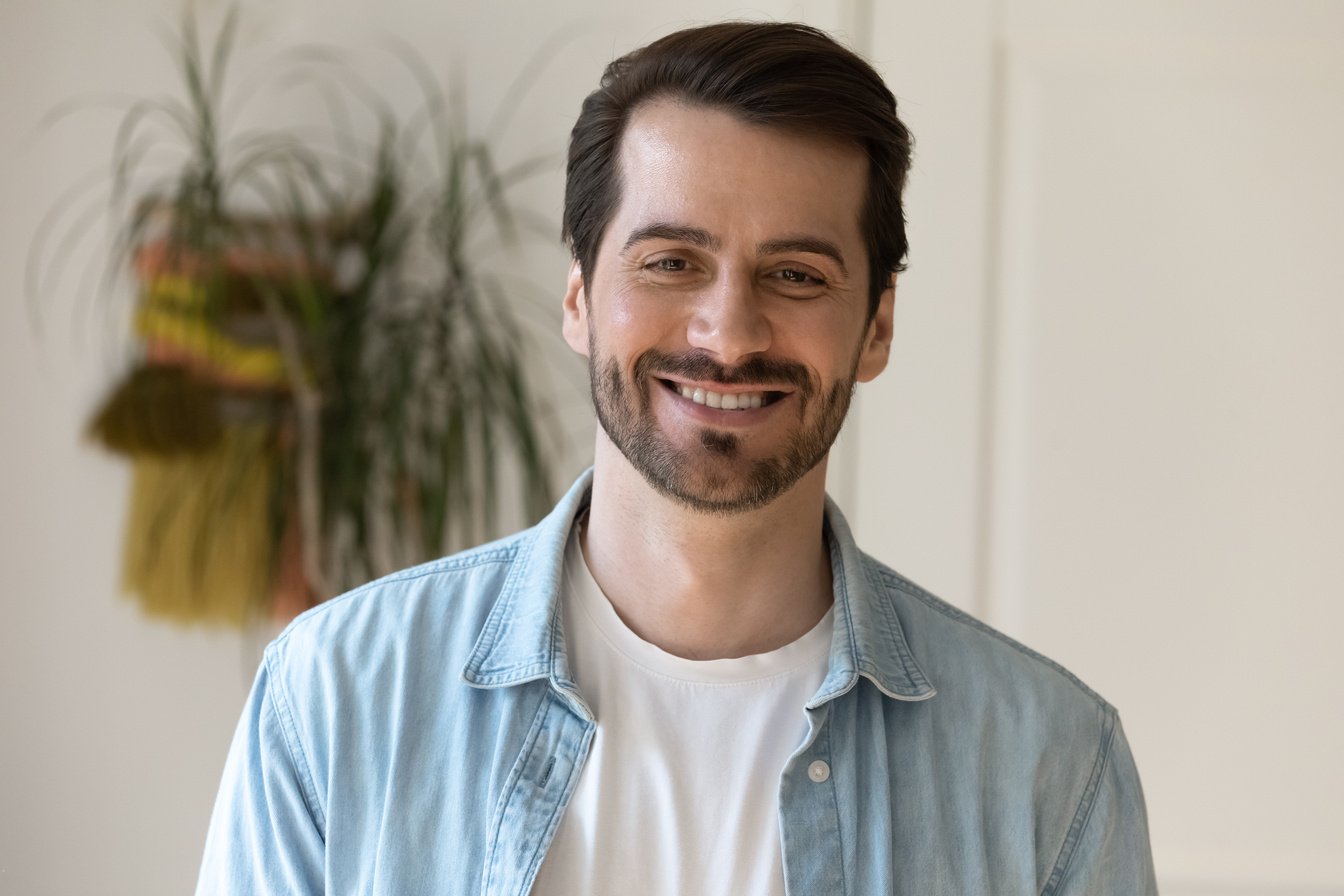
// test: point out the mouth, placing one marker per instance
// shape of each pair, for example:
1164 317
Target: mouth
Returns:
727 401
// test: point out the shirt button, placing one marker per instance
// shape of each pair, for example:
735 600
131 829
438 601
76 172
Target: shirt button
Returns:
819 771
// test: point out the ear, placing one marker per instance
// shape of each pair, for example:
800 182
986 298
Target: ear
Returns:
574 324
876 347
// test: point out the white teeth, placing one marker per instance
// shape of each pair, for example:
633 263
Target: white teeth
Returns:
728 401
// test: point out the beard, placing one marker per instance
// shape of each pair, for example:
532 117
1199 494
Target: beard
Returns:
713 475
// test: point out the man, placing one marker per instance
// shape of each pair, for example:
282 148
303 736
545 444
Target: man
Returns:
688 679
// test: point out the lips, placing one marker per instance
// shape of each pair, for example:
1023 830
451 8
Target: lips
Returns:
756 383
728 401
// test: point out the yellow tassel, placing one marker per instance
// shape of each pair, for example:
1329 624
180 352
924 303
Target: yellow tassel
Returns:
200 537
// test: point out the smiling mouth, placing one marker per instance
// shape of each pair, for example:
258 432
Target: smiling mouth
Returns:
728 401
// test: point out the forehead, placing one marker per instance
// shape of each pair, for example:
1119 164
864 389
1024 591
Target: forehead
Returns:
705 167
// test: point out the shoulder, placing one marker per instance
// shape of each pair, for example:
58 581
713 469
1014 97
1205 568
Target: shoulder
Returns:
435 609
992 689
373 669
968 657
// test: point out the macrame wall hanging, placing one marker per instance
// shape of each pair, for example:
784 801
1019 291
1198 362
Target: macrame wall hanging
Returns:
212 533
328 384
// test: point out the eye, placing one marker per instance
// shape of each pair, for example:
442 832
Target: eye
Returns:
797 282
667 265
668 270
801 278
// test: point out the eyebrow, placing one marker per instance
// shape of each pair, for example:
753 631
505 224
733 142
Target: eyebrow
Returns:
810 244
696 236
703 239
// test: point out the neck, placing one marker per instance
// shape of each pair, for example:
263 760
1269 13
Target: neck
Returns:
707 586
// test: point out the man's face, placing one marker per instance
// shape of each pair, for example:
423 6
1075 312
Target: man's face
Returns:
726 321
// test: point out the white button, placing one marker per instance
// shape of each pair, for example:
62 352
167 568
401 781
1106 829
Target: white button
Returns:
819 771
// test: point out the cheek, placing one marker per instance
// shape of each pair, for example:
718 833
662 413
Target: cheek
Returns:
821 340
637 320
624 317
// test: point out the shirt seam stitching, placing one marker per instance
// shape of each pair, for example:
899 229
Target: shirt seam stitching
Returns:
436 567
497 677
293 747
511 784
1083 816
553 819
835 799
843 598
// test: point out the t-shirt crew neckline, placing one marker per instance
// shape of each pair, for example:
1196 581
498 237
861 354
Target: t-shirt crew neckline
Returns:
593 603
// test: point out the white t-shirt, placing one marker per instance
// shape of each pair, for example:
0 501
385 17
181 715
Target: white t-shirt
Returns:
680 793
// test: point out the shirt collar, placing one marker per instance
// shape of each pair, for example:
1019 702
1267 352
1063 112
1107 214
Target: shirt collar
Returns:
869 639
523 636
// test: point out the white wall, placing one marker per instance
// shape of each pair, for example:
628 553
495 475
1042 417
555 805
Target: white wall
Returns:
1127 218
115 727
1167 492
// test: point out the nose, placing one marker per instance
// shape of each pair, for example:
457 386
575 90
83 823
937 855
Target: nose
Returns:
728 321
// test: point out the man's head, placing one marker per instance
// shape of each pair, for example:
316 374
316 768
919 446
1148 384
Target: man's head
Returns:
785 76
734 211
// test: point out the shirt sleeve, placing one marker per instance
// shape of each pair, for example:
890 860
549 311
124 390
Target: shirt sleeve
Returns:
1111 854
266 833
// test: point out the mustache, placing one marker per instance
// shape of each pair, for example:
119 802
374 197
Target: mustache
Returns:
699 366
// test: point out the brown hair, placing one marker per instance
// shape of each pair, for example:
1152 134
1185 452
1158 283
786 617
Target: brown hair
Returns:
787 76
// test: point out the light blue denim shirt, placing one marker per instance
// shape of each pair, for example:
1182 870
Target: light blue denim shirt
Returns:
422 734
